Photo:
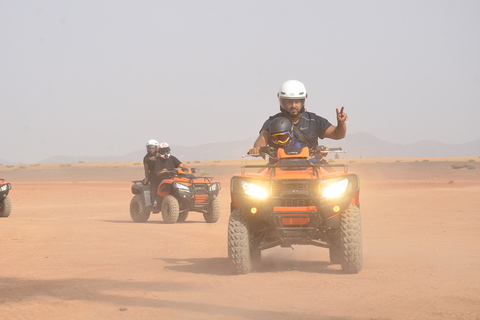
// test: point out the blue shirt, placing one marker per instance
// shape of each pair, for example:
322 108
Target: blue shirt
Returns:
311 125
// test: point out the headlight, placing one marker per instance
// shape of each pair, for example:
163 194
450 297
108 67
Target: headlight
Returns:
3 188
254 190
182 187
215 186
335 189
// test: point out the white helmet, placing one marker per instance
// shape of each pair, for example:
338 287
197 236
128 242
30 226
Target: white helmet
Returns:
164 150
152 143
292 89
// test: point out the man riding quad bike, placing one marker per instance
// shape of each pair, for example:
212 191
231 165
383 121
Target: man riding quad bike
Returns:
295 202
179 193
5 203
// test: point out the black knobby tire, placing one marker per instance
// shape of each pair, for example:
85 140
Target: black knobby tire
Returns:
351 240
239 243
138 209
256 256
213 211
5 207
170 209
182 216
335 251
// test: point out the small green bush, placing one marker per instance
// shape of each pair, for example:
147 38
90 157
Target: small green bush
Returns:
461 166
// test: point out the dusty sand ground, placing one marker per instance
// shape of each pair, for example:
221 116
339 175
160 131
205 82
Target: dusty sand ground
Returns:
69 250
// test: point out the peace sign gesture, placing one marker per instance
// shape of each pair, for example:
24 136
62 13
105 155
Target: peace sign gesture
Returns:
341 116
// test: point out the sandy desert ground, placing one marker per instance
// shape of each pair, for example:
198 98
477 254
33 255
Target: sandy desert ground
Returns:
69 250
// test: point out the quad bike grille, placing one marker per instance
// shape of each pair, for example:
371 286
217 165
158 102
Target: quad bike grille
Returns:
201 189
294 194
295 203
282 187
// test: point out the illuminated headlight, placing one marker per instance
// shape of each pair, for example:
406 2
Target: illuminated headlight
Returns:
182 187
336 189
3 188
254 190
213 187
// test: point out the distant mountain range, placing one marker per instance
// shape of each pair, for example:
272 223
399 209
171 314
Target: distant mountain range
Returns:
357 145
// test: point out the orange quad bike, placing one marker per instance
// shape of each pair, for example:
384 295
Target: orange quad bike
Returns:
179 193
293 201
5 203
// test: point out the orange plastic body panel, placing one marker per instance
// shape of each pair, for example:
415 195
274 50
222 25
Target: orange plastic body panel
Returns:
282 155
295 221
299 219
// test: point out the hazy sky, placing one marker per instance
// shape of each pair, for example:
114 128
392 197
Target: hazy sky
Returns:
94 78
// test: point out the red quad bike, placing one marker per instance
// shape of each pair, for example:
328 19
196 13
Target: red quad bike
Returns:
5 203
295 202
181 192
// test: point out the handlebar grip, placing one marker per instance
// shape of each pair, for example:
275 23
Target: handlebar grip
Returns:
334 149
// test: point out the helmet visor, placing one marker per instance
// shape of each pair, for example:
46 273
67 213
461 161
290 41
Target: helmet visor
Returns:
164 151
280 138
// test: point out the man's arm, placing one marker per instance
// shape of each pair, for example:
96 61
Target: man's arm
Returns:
145 180
338 132
262 141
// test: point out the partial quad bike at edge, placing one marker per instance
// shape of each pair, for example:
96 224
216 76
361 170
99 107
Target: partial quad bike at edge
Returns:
179 193
5 203
295 202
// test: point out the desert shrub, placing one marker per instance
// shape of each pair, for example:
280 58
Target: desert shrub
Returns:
352 161
425 160
398 160
22 167
450 181
10 166
471 160
205 174
137 164
461 166
81 161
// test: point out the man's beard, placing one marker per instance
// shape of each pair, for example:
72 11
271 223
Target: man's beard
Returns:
289 114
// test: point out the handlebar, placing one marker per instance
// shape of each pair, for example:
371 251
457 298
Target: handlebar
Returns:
314 150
